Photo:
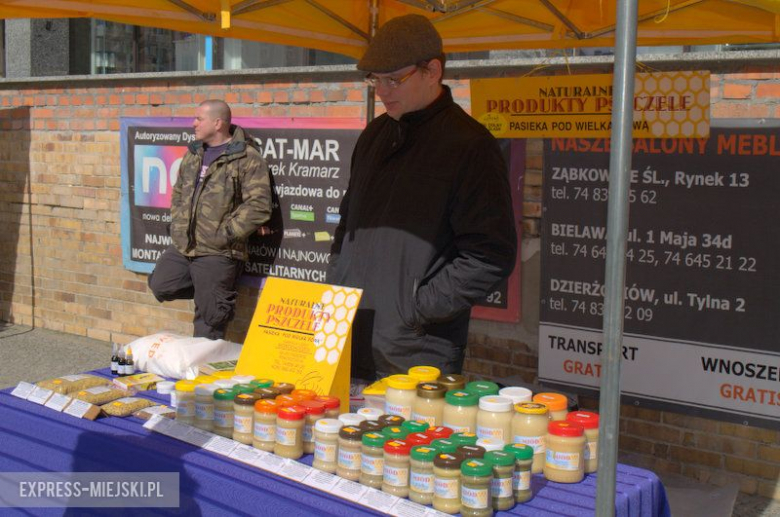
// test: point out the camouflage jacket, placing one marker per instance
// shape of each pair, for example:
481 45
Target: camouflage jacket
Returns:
229 204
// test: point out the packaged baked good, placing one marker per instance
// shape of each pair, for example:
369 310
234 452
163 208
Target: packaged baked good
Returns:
100 394
126 406
70 383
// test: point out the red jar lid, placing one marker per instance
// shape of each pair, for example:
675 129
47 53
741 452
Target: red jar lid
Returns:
397 447
330 402
586 419
312 407
418 439
564 428
439 432
291 412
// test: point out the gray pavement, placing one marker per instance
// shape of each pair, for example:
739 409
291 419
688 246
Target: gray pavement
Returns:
28 354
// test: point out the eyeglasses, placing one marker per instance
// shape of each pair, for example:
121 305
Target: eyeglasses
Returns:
390 82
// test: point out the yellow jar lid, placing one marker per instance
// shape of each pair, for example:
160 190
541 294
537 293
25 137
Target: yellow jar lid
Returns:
554 401
402 382
531 408
186 385
227 374
424 373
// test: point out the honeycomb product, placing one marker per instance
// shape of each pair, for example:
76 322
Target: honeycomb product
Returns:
494 418
590 422
521 481
125 406
421 474
185 402
243 417
372 460
424 373
565 459
204 406
452 381
70 383
264 427
529 427
395 477
501 492
223 412
326 444
289 432
428 405
557 404
350 456
460 411
476 477
100 394
446 482
400 394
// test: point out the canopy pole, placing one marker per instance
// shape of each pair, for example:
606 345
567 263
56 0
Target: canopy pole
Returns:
617 235
370 91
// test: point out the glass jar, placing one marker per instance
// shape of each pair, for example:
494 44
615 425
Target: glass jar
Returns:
491 444
395 472
400 394
243 417
351 419
494 418
332 405
476 478
394 433
452 381
521 482
501 491
471 451
285 388
565 459
557 404
446 482
590 422
372 460
439 432
464 438
414 439
428 404
204 406
424 373
421 474
185 402
289 432
262 383
391 420
482 388
529 426
223 412
326 444
314 411
303 394
516 394
264 428
372 414
349 455
371 426
444 445
460 411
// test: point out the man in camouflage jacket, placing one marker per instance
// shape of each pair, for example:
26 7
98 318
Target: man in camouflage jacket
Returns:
221 197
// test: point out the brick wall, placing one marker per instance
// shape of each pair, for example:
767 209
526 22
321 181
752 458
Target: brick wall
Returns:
61 259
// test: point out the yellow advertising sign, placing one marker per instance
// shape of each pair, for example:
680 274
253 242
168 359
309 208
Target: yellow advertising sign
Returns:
300 333
666 105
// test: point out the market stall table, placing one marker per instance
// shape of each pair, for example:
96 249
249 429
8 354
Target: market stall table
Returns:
34 438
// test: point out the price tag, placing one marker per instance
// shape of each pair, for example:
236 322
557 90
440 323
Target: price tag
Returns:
23 390
58 401
40 395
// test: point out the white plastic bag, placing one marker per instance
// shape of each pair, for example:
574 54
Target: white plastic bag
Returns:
178 357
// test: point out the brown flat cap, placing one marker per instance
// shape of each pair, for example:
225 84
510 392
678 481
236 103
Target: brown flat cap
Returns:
401 42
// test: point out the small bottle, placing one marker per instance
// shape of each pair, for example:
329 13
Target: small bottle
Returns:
446 482
243 417
264 428
529 426
120 365
223 412
129 364
501 492
494 418
349 456
476 480
326 444
289 432
204 406
428 404
421 474
372 460
460 411
565 459
400 395
114 360
521 480
185 408
395 473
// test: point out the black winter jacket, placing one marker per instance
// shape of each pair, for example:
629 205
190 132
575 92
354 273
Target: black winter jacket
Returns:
427 229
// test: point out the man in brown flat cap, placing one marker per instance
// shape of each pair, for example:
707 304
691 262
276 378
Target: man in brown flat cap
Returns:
427 227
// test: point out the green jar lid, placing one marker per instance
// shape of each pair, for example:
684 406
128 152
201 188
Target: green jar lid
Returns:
464 438
476 467
222 394
461 398
415 426
244 388
374 439
482 388
424 452
520 450
500 458
395 433
445 445
262 383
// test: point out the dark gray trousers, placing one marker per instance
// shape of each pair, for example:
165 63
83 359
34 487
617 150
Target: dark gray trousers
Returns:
211 281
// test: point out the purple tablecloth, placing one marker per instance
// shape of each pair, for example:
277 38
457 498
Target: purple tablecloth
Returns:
37 439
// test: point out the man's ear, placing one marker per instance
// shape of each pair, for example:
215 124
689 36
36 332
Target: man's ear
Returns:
434 69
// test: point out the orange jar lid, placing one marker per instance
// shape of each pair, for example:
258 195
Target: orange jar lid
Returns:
554 401
304 394
286 400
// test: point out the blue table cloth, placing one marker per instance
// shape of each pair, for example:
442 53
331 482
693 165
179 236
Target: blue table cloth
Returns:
38 439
